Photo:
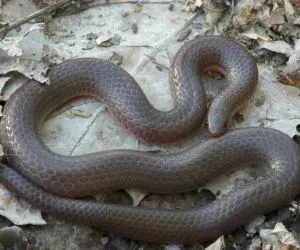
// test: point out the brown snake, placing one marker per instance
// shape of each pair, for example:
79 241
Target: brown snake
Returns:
49 181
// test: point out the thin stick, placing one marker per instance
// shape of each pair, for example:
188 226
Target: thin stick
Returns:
36 14
140 1
115 2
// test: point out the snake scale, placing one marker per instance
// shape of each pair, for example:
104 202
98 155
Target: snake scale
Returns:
51 181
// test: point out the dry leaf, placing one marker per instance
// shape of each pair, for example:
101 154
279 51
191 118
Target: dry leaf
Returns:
289 7
78 112
255 36
219 244
291 80
279 238
199 3
277 46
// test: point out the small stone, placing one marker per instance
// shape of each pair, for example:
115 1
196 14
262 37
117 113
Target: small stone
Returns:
138 7
260 101
12 237
296 138
90 45
108 42
209 196
198 22
255 244
171 7
3 24
124 26
152 201
159 68
153 247
116 243
275 19
71 44
238 117
125 13
116 58
104 240
172 247
297 21
298 127
253 225
91 36
218 244
134 27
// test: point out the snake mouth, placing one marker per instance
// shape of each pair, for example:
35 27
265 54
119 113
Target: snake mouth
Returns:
217 129
217 133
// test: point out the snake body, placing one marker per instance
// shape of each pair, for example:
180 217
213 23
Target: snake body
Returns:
50 181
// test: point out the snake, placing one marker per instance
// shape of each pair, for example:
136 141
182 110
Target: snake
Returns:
54 182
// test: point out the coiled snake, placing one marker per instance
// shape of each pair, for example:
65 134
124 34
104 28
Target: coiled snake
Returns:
49 181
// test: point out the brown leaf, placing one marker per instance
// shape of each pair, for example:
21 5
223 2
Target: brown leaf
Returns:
292 80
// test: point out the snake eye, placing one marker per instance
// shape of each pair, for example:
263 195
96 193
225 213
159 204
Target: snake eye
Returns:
214 71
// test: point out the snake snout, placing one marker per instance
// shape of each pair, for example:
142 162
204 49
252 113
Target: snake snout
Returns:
217 123
217 130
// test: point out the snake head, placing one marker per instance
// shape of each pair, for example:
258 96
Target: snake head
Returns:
217 131
217 123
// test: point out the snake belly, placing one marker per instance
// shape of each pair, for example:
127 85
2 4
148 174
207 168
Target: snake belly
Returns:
50 181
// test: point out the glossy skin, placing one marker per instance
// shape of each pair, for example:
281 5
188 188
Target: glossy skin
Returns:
43 177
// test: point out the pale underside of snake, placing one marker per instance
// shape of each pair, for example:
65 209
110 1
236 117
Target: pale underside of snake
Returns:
51 181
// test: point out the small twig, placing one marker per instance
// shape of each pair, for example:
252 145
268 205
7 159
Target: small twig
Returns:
184 30
162 45
138 1
113 2
232 8
38 13
188 23
156 62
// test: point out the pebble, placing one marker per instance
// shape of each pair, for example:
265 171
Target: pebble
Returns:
253 225
171 7
172 247
104 240
116 58
12 237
